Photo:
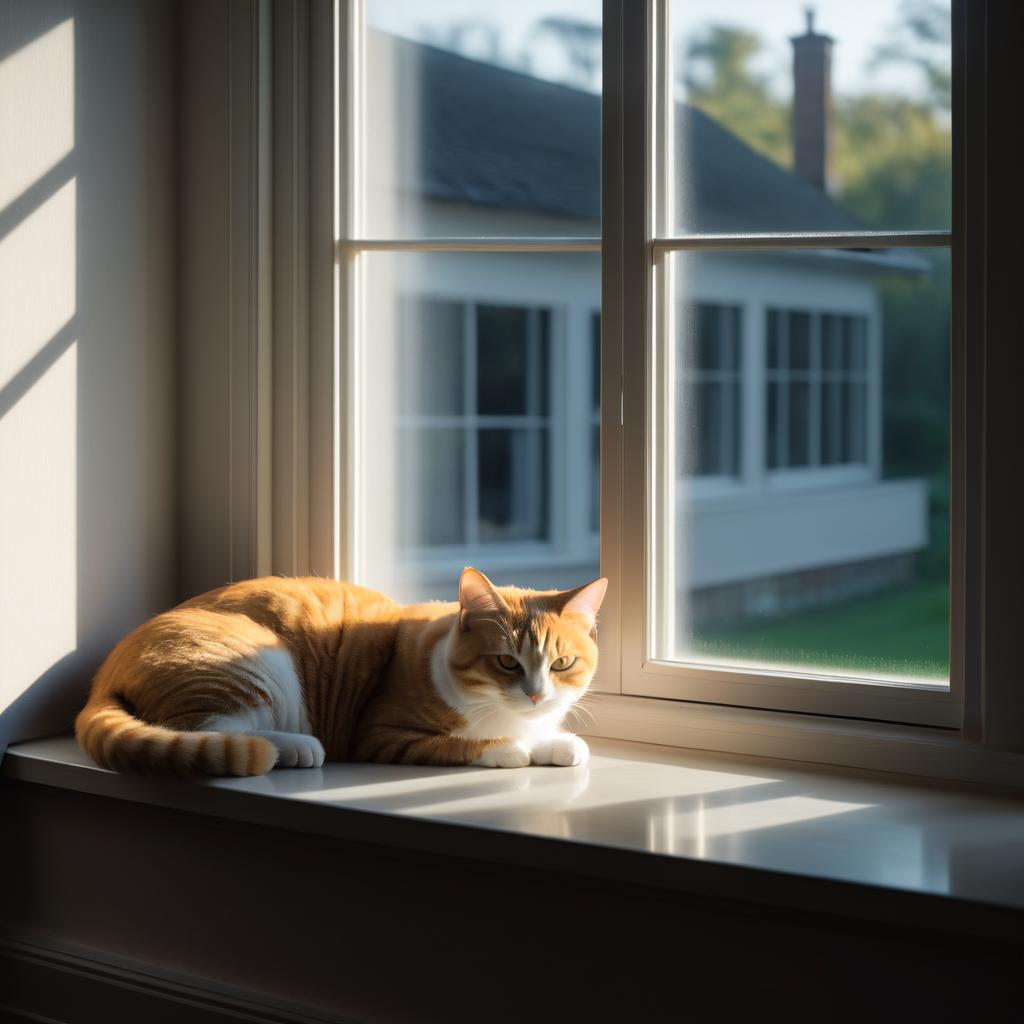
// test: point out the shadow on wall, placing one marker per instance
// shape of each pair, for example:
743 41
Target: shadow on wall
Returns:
86 332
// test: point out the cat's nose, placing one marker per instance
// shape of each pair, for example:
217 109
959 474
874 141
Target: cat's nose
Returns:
536 697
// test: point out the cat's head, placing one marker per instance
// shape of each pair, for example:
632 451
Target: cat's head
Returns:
534 652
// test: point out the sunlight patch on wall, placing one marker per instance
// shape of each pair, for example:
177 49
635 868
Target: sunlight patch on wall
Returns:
37 281
38 542
36 108
38 364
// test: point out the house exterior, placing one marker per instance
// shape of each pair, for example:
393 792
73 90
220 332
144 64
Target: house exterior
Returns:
780 500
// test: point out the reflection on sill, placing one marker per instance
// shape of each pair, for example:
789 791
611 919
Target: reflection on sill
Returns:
683 805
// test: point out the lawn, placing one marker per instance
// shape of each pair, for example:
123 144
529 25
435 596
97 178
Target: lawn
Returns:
899 632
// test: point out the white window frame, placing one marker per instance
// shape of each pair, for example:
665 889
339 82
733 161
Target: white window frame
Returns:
970 729
648 528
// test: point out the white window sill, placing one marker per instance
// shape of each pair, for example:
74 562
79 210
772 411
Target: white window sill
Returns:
857 844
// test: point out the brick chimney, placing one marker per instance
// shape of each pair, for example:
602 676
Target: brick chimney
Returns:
812 105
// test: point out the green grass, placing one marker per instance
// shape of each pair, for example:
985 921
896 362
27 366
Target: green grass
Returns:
899 632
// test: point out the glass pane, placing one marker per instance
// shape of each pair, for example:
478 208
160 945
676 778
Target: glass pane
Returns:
772 343
832 343
834 415
481 119
798 447
798 356
512 368
430 345
514 487
430 478
830 552
479 426
787 121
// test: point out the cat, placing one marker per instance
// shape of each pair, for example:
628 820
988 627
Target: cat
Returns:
290 672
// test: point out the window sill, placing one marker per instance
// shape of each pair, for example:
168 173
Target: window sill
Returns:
938 754
861 845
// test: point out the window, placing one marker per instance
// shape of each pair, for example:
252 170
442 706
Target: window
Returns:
781 477
817 380
474 423
783 519
711 381
470 226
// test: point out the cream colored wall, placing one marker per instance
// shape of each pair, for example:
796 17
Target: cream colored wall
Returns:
87 329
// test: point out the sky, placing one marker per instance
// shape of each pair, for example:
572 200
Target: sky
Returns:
858 26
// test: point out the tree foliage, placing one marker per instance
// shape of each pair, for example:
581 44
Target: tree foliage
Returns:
718 79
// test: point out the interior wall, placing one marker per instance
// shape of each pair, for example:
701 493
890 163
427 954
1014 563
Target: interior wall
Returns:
87 291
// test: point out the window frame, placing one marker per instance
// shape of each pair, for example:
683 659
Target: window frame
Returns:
983 297
470 421
648 527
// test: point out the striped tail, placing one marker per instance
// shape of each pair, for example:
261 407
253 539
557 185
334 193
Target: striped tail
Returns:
115 739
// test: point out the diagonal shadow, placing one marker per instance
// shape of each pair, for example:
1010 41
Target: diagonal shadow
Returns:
31 373
36 194
22 24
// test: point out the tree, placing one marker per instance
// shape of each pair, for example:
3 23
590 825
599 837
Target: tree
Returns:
718 80
580 42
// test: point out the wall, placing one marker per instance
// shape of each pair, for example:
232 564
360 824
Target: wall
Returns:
87 328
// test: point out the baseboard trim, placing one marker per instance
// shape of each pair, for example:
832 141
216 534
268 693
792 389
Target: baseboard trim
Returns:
46 976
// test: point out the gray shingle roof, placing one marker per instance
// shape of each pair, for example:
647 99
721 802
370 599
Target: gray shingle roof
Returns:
499 138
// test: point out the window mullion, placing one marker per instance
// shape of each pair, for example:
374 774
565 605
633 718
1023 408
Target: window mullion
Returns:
470 464
782 241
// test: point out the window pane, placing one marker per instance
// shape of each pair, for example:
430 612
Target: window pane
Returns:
832 360
773 428
773 328
831 552
430 346
430 478
512 368
709 347
834 422
479 426
798 449
514 489
855 343
481 119
785 122
798 356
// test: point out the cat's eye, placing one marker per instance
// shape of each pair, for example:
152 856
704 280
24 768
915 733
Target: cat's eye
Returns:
563 663
507 662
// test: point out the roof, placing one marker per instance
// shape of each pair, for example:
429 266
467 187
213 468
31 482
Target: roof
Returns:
492 136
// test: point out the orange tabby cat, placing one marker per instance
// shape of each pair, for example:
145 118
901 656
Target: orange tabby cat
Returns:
289 672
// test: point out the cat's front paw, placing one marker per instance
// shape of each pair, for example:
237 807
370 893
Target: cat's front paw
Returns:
506 755
563 750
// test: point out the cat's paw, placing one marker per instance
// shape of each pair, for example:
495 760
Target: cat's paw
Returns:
507 755
296 749
563 750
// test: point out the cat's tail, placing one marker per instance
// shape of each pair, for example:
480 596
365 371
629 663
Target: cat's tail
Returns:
114 738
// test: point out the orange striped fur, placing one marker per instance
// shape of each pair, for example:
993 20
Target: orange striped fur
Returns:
292 671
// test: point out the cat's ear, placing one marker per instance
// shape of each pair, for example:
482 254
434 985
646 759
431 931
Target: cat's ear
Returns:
477 596
585 601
